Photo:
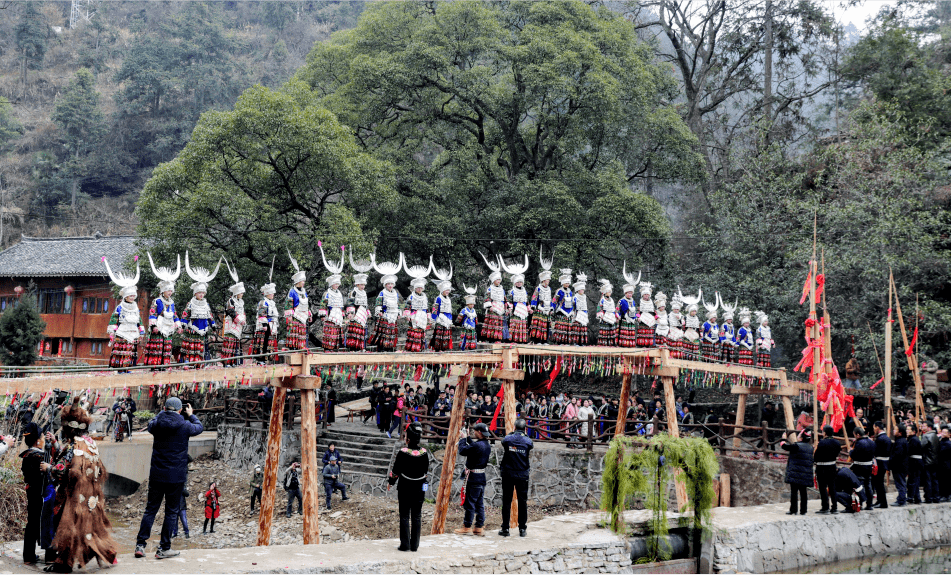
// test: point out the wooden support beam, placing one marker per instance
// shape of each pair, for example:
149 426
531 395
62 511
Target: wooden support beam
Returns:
312 477
729 369
788 411
498 373
623 404
444 495
508 362
303 382
740 415
888 357
423 358
680 490
673 426
777 391
593 350
271 464
724 490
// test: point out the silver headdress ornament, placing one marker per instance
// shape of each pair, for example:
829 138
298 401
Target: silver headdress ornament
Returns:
629 279
361 267
690 301
660 299
165 275
580 281
546 265
238 287
201 276
606 286
727 310
334 269
387 269
125 282
470 293
418 273
761 317
269 288
495 267
744 315
712 308
515 270
442 277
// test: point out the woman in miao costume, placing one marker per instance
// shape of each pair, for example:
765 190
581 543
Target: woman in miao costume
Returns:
416 310
627 311
358 307
163 320
710 334
727 332
494 304
675 322
662 324
235 319
541 303
297 313
607 316
125 326
764 340
517 302
563 301
645 316
387 308
468 319
744 339
691 341
441 313
266 321
580 320
197 317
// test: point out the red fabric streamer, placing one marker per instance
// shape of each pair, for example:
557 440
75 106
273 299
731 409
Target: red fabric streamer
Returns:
495 418
849 406
822 388
554 373
805 288
877 382
820 283
911 346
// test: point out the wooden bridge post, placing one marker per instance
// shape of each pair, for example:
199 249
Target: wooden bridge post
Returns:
444 495
271 464
740 415
673 426
508 385
624 403
790 416
311 474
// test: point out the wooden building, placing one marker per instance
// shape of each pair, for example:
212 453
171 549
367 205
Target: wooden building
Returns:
73 290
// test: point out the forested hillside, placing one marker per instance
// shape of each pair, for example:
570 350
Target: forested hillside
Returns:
94 108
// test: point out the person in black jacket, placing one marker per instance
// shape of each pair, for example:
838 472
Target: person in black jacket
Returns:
929 461
898 463
944 464
34 477
798 469
410 469
914 464
883 451
170 430
475 447
863 456
847 484
374 410
515 470
826 453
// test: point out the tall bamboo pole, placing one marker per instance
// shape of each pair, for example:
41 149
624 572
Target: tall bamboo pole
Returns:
816 353
888 357
912 358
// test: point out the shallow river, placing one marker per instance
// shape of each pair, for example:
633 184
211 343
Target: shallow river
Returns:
934 560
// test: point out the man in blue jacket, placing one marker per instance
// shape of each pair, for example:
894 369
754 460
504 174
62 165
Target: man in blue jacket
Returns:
170 430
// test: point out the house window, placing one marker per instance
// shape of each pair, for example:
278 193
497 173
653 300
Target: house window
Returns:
8 302
96 348
54 301
96 305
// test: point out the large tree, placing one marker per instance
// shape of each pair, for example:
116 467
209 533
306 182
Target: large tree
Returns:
511 124
278 172
80 121
21 329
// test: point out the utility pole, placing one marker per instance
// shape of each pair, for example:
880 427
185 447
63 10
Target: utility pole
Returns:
82 11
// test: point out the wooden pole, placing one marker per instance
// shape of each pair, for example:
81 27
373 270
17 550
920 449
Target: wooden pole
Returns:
271 463
444 495
888 357
790 416
816 353
624 403
912 360
673 426
508 385
740 415
312 477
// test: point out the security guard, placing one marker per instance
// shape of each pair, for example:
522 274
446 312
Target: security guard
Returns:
475 447
826 453
863 455
410 469
515 470
883 452
847 484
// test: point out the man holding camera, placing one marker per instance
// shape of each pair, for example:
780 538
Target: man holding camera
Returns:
292 486
171 430
475 447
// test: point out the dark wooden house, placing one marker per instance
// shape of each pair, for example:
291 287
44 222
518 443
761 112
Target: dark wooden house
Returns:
73 290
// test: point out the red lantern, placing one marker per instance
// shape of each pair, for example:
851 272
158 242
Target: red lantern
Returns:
69 290
18 290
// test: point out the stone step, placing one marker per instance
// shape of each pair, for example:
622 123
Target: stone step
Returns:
352 445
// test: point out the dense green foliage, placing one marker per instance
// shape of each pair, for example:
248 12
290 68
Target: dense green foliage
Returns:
637 466
80 121
21 329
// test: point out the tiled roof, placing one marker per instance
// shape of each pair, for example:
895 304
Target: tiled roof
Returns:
48 257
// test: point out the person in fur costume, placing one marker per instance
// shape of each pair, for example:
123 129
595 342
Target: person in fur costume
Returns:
83 531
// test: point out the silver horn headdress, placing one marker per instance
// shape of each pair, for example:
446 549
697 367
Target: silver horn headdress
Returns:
418 273
270 288
470 293
517 271
165 275
238 286
712 308
690 301
334 269
728 311
387 269
630 284
126 283
545 274
361 267
495 267
201 276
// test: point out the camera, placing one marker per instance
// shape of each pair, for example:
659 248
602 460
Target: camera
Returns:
59 396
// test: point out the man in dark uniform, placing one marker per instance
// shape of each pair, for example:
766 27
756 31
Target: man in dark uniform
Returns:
826 453
515 470
863 455
410 469
929 461
374 410
898 463
914 465
475 447
847 483
944 464
883 451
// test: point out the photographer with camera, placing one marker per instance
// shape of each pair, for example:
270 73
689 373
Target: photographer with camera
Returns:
171 430
292 486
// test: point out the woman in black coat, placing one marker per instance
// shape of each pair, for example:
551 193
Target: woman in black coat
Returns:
798 469
410 469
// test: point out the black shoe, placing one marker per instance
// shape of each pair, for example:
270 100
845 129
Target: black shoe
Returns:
521 532
896 504
918 502
822 512
790 513
881 506
834 512
503 532
802 512
345 499
187 536
869 508
402 548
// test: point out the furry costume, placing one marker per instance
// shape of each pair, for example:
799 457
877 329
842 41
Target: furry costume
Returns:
83 530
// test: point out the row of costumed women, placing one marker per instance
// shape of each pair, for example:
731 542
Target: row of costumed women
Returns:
550 316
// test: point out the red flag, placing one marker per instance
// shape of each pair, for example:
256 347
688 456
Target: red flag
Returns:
495 418
805 288
911 346
877 382
820 282
554 373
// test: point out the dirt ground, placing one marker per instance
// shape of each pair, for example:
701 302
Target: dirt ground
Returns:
362 517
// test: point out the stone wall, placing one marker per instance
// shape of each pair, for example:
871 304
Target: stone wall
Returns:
755 482
244 447
797 543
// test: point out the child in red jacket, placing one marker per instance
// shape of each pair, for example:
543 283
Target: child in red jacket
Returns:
212 508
